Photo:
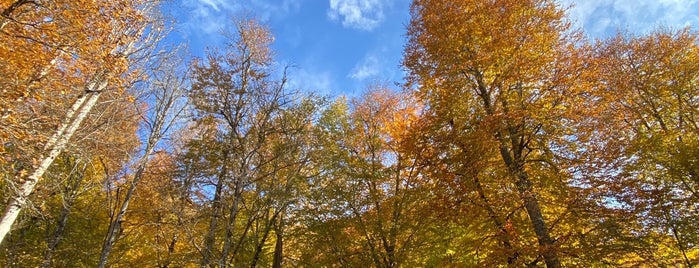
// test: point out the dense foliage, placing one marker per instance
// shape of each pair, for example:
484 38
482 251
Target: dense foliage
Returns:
514 141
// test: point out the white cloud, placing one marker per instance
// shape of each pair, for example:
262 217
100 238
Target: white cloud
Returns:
215 4
209 17
358 14
603 17
369 67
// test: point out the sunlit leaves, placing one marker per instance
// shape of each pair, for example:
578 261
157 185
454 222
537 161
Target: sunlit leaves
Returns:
651 82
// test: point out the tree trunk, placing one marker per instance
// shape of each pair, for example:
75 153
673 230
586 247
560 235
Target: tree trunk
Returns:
115 224
531 204
513 159
57 234
279 246
55 146
55 239
216 205
261 243
550 254
504 235
232 216
5 14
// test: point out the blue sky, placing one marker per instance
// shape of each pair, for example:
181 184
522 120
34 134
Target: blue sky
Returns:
340 46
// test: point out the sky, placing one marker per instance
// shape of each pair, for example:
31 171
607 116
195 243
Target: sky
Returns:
338 47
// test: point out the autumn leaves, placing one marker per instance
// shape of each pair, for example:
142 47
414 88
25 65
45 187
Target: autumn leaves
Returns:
515 141
546 103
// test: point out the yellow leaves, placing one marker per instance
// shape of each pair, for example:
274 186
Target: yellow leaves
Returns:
652 79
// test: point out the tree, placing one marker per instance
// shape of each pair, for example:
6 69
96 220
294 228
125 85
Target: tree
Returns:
504 70
165 92
112 32
156 228
239 106
650 82
53 217
370 195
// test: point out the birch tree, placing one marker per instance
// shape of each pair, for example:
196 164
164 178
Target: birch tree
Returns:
114 32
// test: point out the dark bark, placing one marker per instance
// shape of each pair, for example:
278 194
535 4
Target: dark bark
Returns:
279 244
512 153
278 248
514 158
72 193
210 240
230 228
261 243
504 234
6 13
531 204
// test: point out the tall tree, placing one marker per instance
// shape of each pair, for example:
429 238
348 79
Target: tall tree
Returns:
91 63
650 82
164 95
503 70
371 187
56 209
239 102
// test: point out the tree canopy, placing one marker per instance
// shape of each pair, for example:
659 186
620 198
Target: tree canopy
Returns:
513 140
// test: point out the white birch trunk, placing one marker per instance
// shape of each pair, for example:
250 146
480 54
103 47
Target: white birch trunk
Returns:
55 146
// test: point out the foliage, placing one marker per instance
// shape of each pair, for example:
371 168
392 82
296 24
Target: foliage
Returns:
514 142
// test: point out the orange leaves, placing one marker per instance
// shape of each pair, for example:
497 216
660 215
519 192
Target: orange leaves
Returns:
255 39
496 77
652 79
500 39
62 51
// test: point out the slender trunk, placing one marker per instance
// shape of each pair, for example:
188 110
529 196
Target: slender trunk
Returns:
154 137
210 239
170 250
550 253
279 244
61 139
57 235
233 215
261 244
680 244
515 166
504 234
242 236
5 14
115 224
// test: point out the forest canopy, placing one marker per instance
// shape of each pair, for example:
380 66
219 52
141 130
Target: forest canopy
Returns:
512 140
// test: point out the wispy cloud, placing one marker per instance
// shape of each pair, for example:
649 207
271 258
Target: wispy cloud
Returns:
209 17
205 17
274 8
358 14
320 82
369 67
602 17
214 4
